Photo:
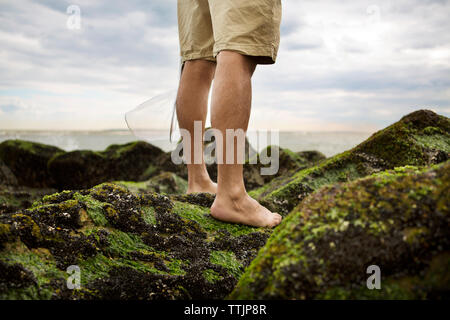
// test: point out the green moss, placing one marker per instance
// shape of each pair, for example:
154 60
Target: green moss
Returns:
95 209
397 171
227 260
434 141
212 276
116 151
55 197
122 244
400 144
134 187
287 191
25 222
118 254
126 246
317 252
432 131
68 204
32 147
148 214
164 183
394 219
102 190
99 267
175 267
41 263
112 242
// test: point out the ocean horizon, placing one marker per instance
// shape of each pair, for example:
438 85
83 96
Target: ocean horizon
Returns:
329 143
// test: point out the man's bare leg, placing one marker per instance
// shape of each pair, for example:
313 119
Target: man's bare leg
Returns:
192 105
231 103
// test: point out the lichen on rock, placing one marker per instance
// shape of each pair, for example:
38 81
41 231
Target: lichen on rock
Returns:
420 138
165 182
398 220
122 216
127 245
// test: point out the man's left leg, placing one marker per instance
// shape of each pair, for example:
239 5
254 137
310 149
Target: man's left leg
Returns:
231 104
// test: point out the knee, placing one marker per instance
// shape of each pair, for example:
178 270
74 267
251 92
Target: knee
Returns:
235 59
201 69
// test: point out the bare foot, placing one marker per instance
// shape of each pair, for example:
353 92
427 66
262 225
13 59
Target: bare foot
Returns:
245 210
207 186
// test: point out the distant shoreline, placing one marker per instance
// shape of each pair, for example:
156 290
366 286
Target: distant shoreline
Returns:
329 143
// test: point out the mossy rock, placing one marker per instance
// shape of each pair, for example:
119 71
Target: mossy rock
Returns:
135 161
7 177
398 220
31 164
127 246
165 182
289 163
82 169
27 161
14 198
311 156
410 141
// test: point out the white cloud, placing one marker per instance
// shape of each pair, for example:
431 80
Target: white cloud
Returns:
342 65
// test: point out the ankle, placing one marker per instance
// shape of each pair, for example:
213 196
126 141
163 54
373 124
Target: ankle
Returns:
198 176
235 193
199 181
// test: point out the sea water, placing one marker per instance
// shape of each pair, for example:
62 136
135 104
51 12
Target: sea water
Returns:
329 143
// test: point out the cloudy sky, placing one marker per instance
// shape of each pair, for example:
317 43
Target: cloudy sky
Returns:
342 66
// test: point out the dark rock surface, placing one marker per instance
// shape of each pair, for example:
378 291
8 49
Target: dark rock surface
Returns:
122 217
420 138
398 220
80 169
28 161
148 246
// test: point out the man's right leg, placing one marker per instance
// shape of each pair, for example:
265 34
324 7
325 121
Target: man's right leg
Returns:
192 105
231 103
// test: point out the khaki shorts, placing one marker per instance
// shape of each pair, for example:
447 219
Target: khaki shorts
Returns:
250 27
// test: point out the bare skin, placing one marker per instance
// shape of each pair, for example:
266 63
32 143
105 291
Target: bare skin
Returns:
231 105
192 105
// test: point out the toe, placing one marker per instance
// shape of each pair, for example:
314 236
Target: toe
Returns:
276 219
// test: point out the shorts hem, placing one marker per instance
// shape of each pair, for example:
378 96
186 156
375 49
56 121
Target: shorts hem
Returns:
198 55
263 54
